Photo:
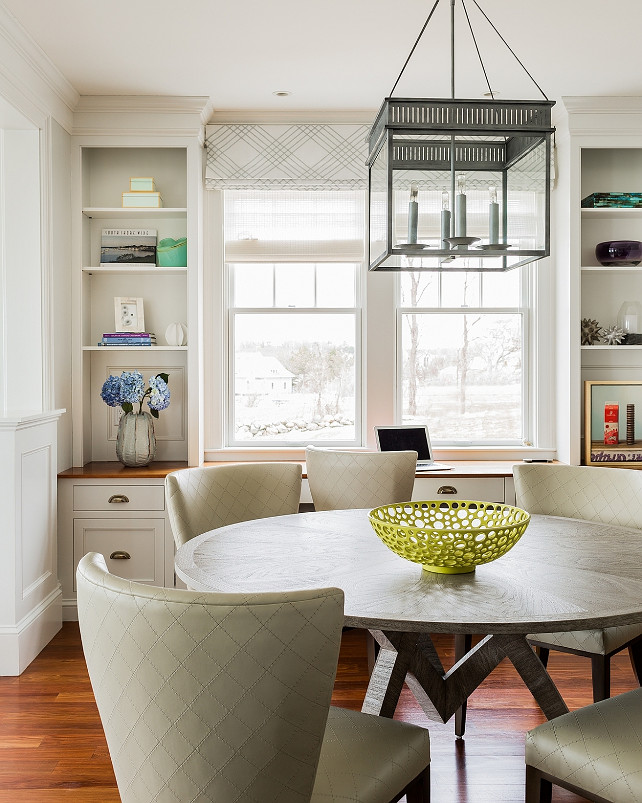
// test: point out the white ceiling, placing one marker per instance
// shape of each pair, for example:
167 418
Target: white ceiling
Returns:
333 54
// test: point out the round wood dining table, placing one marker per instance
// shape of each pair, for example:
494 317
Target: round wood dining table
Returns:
563 574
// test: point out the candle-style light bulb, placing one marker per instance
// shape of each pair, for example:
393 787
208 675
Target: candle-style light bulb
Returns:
413 213
460 207
445 218
493 215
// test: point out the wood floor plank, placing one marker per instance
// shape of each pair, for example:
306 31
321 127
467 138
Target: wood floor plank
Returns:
53 750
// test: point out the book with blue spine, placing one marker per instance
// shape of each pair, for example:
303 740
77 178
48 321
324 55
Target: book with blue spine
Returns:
128 339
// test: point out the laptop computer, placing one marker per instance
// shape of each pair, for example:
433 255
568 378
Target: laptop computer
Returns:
409 436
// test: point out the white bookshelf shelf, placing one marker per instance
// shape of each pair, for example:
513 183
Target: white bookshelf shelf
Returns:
606 213
129 213
605 269
134 348
140 270
611 348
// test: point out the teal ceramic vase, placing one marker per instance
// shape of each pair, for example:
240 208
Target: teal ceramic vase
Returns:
136 441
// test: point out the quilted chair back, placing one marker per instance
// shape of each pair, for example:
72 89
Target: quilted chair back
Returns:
340 480
206 696
202 499
605 495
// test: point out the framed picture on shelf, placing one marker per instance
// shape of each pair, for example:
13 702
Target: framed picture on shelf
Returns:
127 247
128 315
612 430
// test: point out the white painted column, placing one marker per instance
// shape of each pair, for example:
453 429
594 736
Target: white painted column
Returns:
30 594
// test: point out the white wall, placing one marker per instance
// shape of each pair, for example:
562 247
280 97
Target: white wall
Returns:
22 362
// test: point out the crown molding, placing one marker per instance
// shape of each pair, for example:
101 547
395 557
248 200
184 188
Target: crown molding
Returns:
606 104
39 83
163 115
166 104
267 116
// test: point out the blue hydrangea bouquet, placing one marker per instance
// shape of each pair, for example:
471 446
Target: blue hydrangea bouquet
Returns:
129 389
136 441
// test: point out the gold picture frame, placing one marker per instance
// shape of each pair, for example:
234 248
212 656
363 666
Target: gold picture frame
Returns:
610 409
128 314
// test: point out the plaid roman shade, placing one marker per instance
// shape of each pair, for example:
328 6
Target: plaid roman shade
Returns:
297 156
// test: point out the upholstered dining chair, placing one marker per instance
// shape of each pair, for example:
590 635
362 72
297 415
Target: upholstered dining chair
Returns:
604 495
202 499
595 752
226 697
342 479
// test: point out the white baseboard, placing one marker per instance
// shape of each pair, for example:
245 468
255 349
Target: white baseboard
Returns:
69 610
21 643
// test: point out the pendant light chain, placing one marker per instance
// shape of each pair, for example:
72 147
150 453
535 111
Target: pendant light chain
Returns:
421 33
489 21
516 57
472 33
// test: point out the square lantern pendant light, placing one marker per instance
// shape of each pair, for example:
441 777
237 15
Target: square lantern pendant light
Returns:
459 185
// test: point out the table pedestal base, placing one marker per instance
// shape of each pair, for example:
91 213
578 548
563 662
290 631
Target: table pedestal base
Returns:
412 658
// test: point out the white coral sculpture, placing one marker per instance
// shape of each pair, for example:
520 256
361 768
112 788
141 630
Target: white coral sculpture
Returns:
613 335
591 331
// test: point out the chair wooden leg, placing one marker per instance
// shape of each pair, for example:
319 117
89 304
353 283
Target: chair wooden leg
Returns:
463 644
543 653
635 654
538 789
418 791
372 649
601 674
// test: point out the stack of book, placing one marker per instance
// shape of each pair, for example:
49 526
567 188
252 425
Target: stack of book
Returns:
142 193
128 339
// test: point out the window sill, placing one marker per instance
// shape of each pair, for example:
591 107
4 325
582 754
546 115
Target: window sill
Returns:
460 453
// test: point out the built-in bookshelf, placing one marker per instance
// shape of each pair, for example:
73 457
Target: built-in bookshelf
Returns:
104 166
599 152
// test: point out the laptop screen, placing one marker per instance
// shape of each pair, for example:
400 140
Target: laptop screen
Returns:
395 439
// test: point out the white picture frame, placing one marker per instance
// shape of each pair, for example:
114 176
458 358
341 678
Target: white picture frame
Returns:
128 314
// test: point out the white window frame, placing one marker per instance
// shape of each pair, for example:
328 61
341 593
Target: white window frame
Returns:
378 359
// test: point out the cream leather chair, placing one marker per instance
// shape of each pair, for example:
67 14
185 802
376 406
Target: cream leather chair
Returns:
595 752
202 499
342 479
226 697
605 495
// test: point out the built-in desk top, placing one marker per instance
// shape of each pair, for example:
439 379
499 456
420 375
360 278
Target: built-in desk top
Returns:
114 470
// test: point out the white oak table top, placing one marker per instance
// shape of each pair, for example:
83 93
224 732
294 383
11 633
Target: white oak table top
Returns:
563 574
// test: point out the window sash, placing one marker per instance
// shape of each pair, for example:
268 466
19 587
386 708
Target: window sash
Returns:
230 437
524 315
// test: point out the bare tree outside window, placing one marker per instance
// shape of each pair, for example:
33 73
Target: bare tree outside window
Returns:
462 366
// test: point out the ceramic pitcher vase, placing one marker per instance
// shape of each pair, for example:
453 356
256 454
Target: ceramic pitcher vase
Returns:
136 441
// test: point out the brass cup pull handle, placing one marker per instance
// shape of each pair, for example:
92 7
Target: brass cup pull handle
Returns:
447 489
118 499
120 554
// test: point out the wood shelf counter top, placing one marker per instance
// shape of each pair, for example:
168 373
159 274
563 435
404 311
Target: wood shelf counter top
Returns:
115 470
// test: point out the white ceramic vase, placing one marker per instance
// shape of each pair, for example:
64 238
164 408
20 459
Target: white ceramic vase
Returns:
136 441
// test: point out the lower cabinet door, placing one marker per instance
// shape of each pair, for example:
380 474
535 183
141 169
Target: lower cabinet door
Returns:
132 548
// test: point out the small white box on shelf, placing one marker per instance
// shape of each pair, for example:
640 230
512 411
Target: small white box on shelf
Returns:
147 200
141 184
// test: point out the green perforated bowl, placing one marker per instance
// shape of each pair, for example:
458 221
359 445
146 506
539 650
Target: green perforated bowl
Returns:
450 537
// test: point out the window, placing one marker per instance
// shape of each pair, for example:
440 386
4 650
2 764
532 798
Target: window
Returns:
462 360
293 262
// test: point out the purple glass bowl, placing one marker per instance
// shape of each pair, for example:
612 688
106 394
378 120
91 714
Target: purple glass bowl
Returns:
619 253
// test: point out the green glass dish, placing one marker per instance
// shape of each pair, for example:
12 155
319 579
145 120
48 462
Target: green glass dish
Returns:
172 253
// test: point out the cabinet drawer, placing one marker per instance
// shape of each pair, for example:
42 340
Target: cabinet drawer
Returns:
485 489
119 498
142 540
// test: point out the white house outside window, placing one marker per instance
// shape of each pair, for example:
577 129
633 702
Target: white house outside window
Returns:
293 262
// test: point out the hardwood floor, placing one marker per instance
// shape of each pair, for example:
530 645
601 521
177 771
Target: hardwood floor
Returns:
52 747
